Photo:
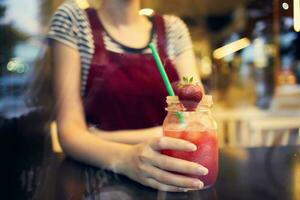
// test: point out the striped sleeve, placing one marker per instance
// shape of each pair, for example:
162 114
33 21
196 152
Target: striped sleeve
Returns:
178 36
63 26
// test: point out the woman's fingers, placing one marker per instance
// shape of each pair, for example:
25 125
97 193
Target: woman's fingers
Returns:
171 163
155 169
174 164
169 178
161 143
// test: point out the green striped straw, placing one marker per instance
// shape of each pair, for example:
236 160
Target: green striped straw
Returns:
165 78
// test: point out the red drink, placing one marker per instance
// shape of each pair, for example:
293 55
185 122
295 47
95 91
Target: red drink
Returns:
197 127
206 153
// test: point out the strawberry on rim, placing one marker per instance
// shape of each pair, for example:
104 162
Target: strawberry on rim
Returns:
189 93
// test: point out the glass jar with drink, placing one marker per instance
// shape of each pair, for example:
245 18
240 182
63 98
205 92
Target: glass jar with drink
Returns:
196 126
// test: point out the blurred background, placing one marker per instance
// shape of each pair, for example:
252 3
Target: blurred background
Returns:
248 55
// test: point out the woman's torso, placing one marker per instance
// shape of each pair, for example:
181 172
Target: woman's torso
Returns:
121 86
70 26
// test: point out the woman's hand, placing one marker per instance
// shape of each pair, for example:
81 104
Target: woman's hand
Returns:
144 163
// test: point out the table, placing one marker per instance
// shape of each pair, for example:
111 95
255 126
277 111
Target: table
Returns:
245 173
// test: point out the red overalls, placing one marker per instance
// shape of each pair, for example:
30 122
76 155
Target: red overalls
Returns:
126 91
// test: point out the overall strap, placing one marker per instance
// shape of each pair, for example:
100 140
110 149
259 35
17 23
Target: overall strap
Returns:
97 31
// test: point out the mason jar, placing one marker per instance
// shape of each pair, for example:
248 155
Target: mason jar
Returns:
197 127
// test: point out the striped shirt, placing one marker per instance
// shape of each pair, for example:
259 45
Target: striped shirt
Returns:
70 26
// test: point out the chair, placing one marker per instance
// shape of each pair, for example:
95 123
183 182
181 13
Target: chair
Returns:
233 124
282 125
272 131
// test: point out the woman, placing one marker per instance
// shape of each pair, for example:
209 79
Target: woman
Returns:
104 76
